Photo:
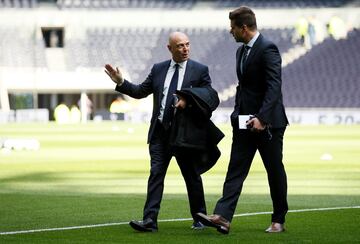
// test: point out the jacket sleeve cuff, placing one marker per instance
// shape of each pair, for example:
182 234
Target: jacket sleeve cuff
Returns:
262 120
120 88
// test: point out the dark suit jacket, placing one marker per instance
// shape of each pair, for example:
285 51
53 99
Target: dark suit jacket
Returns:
259 90
193 133
196 75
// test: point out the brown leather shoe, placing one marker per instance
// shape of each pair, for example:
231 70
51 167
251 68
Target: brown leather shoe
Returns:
275 228
216 221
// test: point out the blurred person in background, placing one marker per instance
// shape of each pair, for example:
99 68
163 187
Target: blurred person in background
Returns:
258 96
301 31
337 28
62 114
164 79
119 105
75 114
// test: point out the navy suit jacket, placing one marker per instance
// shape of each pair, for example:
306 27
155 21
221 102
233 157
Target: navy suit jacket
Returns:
259 89
196 75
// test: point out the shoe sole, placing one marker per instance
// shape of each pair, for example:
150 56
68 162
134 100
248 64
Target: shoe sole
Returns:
198 228
206 221
276 231
142 229
222 230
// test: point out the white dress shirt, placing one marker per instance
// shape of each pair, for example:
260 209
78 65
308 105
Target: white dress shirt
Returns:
169 75
252 41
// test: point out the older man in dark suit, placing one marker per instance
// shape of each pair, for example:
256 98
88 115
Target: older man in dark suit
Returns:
258 94
164 79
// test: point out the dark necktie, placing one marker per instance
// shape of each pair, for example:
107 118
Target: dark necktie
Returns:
244 57
169 105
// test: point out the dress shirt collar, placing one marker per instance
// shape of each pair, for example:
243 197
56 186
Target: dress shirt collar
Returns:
253 40
181 65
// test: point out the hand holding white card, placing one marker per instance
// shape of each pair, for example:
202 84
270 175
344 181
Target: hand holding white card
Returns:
242 121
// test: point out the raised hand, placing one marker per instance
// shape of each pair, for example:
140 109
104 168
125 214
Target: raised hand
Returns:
115 75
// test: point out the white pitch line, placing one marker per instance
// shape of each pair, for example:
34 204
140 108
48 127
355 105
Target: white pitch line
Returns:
168 220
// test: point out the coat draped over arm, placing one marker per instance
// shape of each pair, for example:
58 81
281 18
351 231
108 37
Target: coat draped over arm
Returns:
193 132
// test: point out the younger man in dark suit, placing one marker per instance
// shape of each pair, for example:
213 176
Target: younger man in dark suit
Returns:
258 68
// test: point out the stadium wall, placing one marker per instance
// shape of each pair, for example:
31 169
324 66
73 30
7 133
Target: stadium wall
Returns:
75 23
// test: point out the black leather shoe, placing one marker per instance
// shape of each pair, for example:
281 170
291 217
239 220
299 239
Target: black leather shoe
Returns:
147 225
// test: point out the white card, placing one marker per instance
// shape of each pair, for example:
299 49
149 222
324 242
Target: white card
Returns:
242 121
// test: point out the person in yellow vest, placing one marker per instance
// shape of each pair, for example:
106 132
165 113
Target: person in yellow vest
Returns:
301 28
75 114
62 114
119 105
337 28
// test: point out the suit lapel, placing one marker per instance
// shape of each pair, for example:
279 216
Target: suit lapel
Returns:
162 73
186 82
238 61
253 51
161 78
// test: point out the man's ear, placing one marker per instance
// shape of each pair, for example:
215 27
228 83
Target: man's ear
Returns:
169 47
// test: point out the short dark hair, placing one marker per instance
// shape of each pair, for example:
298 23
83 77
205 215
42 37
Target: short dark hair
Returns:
243 16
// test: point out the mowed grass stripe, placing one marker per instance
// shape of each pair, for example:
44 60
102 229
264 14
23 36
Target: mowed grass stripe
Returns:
169 220
97 173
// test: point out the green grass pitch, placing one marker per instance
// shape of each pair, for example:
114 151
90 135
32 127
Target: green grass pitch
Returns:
97 173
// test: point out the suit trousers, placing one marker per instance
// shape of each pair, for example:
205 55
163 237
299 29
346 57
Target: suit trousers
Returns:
244 146
160 156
